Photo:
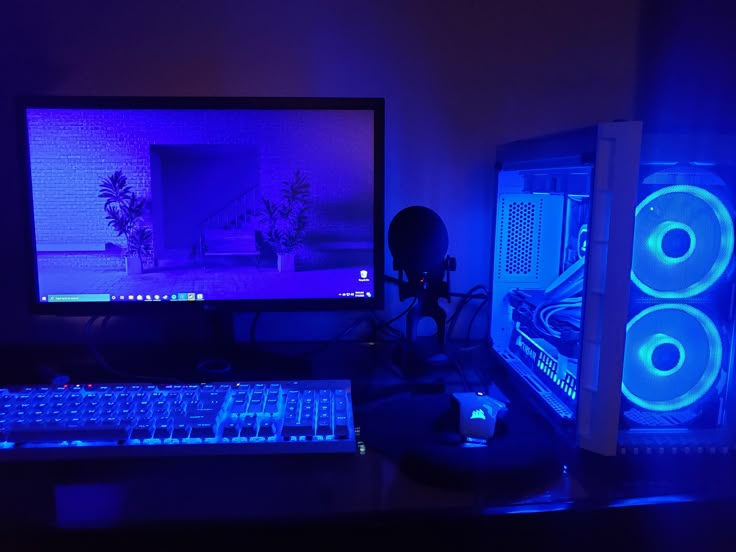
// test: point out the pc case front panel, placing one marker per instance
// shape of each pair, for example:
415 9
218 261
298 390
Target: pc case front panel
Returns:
677 382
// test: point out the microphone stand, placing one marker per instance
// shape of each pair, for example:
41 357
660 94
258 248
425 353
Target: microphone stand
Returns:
428 289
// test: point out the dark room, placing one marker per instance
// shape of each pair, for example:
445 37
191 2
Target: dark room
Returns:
353 274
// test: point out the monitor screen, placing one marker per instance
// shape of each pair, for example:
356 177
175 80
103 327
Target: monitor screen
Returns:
251 203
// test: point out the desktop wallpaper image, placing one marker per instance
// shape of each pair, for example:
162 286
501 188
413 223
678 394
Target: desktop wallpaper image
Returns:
213 204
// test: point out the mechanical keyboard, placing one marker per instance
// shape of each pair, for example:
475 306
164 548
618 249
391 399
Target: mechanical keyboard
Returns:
92 420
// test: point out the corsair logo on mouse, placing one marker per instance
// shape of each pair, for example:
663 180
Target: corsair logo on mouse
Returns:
478 414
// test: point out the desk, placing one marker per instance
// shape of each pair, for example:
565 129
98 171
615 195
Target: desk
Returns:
370 494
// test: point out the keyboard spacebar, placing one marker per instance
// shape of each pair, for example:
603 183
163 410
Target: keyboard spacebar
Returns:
51 434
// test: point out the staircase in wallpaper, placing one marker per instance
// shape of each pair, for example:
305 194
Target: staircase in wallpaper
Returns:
231 230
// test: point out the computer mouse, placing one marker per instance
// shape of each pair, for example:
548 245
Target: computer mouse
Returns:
477 415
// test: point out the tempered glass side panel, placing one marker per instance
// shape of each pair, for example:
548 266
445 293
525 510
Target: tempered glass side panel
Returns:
540 248
677 388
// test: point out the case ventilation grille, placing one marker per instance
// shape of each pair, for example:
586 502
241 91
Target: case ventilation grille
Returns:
519 241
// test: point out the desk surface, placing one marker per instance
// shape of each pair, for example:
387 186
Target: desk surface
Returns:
354 490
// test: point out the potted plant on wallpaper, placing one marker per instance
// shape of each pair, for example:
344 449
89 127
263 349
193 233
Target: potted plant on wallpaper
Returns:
284 220
124 210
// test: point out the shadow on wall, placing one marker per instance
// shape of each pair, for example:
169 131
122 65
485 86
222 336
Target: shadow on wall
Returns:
28 69
685 78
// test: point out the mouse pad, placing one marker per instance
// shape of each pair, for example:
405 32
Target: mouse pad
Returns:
419 433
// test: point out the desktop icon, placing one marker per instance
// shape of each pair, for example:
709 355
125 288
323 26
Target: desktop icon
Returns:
364 274
157 297
114 297
165 297
139 297
130 297
190 296
148 297
173 297
43 298
200 297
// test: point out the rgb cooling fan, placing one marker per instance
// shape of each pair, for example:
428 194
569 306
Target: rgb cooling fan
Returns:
672 358
683 245
683 242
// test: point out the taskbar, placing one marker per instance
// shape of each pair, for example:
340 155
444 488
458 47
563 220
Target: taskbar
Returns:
121 298
143 297
359 294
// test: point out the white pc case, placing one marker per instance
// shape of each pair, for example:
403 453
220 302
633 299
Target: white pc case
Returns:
612 285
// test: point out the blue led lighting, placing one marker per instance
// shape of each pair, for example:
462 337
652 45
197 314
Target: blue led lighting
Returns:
656 242
582 248
666 272
697 343
651 500
652 345
530 508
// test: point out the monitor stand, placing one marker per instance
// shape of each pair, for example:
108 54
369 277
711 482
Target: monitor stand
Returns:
219 343
223 357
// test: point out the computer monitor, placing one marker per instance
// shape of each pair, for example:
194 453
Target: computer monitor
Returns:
142 204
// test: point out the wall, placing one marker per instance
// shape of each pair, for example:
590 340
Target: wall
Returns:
458 78
686 79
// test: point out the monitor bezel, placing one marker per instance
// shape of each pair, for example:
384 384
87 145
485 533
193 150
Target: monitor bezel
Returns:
374 104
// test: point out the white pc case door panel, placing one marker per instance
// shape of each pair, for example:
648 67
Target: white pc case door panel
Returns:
608 270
